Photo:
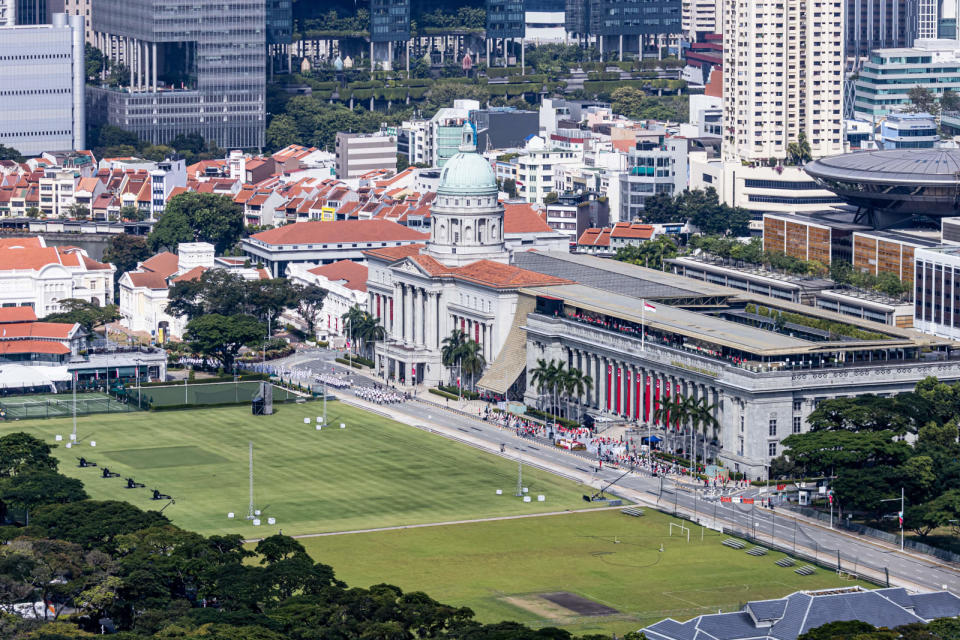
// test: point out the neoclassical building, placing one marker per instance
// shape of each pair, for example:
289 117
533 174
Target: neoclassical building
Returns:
460 279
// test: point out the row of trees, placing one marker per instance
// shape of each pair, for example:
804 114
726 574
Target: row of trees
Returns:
560 384
107 565
701 208
693 414
839 271
874 446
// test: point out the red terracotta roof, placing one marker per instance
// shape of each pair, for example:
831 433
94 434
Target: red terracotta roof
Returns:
523 218
33 346
35 242
352 274
164 263
595 238
632 230
148 279
17 314
192 274
395 253
339 231
56 330
503 276
93 265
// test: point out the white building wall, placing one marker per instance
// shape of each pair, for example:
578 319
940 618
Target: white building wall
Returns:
45 64
783 75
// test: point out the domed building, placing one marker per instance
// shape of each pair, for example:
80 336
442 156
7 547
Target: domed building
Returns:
467 218
460 279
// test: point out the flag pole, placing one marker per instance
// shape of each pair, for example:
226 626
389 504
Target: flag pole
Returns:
643 324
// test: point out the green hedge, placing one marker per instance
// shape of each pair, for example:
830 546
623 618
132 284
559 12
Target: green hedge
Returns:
438 392
543 415
244 377
357 360
839 328
353 363
469 395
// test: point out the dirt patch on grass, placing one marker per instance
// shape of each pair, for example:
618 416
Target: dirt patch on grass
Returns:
578 604
559 606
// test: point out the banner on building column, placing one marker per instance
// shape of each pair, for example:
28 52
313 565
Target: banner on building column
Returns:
619 388
638 398
609 385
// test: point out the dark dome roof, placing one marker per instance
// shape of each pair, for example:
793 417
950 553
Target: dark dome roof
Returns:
898 166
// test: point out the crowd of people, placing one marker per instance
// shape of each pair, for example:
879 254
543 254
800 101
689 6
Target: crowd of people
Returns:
381 395
337 382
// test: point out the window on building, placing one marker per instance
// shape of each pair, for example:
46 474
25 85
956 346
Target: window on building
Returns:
741 424
773 426
796 424
772 449
796 405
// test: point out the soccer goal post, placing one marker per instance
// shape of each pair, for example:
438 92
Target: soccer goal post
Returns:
682 529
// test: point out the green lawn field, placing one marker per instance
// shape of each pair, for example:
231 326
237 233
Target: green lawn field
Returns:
604 556
374 473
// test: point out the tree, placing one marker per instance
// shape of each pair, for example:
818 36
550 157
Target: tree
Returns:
844 630
130 212
451 349
309 303
221 337
472 361
198 217
799 151
9 153
551 198
92 524
577 384
649 254
78 211
33 212
282 132
509 186
20 451
949 100
37 487
87 314
215 291
824 452
921 100
125 251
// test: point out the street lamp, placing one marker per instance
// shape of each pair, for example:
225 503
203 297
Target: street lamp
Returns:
900 514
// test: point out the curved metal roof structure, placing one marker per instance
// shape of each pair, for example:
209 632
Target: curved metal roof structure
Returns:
900 166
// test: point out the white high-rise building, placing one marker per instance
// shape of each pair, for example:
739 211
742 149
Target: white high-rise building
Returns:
783 76
701 16
42 77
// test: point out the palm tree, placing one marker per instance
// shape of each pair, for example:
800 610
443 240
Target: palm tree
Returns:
576 384
451 351
673 411
472 361
369 330
702 416
549 376
354 318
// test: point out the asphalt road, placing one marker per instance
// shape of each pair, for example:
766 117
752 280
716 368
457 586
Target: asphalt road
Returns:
858 554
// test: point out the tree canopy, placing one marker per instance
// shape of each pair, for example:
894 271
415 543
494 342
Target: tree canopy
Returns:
221 337
862 443
198 217
87 314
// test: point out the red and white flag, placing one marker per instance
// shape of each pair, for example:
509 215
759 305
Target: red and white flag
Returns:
649 307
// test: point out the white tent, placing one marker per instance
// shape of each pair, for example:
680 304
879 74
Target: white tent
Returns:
16 376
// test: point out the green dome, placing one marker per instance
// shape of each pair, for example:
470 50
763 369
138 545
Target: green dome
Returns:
467 174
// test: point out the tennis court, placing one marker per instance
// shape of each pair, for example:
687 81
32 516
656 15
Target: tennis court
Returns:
54 405
210 394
